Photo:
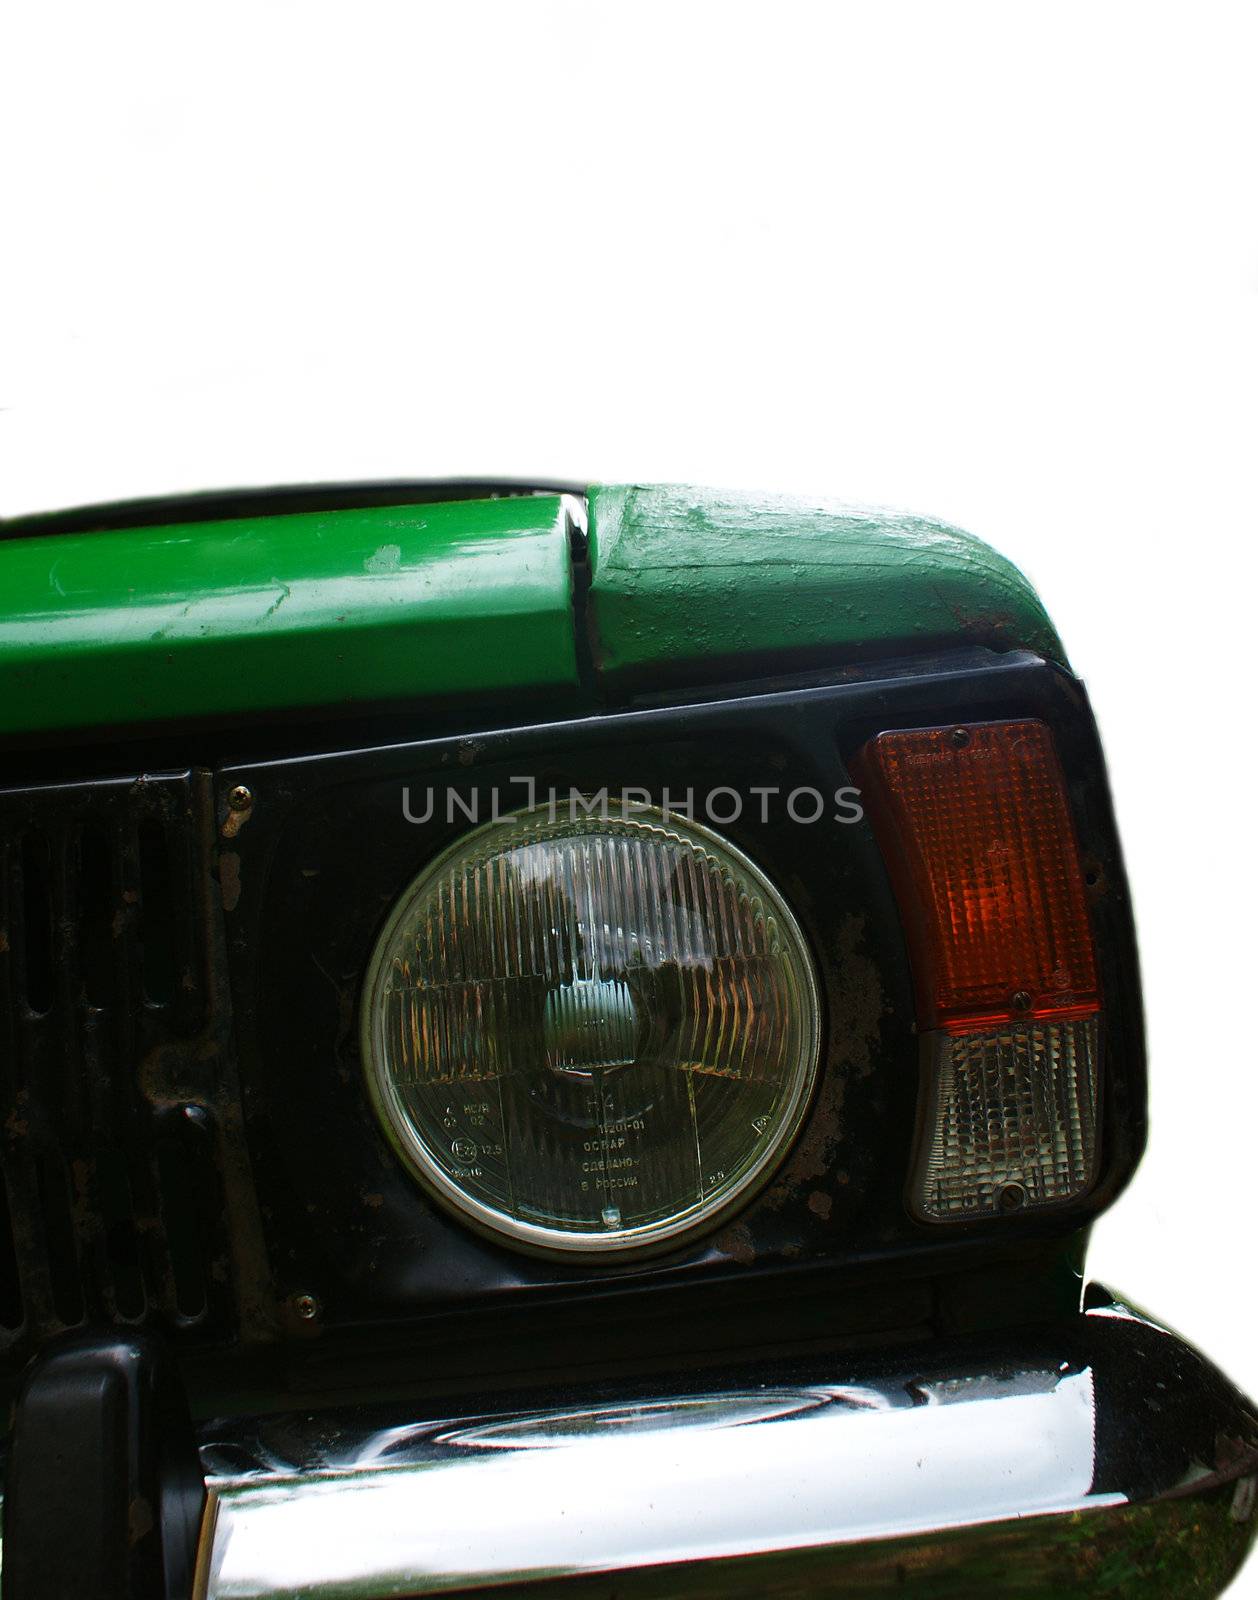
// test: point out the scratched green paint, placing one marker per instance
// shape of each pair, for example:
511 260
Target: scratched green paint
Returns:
695 583
415 604
329 608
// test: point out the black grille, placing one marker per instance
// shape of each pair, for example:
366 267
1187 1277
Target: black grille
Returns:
117 1095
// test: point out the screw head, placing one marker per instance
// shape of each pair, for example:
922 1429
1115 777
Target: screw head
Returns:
959 737
240 798
1011 1197
306 1307
1021 1001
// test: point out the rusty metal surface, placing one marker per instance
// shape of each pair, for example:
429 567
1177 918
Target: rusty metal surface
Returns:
126 1180
329 847
309 1243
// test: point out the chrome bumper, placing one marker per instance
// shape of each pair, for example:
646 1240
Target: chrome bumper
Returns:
1103 1457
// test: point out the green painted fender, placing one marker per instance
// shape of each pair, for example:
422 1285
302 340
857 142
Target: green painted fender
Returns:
697 584
107 626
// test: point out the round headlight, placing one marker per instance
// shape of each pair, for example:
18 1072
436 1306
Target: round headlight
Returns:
591 1035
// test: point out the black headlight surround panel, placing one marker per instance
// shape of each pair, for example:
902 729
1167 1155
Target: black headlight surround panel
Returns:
326 849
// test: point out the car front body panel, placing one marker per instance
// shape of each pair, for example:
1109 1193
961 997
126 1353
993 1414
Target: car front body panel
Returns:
217 714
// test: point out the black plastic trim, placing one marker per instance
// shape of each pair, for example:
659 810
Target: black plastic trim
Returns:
104 1491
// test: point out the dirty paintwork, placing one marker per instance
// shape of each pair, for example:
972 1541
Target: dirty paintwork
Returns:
259 613
122 626
695 583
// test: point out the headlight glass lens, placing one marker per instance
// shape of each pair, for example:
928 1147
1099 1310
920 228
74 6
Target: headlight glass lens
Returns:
591 1035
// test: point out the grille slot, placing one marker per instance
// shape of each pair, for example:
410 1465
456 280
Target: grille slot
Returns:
116 1206
112 1029
186 1174
158 926
60 1240
97 895
10 1285
36 944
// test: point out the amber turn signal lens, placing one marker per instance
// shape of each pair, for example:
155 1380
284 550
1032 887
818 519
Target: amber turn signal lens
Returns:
974 823
976 829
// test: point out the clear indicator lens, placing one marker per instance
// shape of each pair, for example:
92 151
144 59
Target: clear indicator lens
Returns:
1014 1119
591 1035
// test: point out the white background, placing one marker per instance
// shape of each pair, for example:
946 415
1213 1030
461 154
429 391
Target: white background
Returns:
997 263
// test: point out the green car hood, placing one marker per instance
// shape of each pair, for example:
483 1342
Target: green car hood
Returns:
474 599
